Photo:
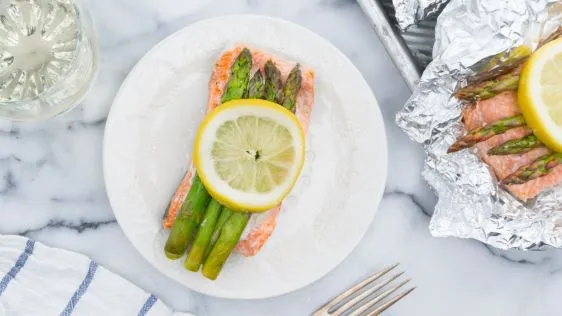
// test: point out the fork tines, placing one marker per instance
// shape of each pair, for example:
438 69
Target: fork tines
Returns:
367 297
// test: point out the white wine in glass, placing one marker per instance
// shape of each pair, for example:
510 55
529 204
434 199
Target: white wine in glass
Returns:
48 57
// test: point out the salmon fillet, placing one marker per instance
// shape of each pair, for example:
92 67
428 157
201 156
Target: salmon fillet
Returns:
265 223
503 166
491 110
530 189
504 105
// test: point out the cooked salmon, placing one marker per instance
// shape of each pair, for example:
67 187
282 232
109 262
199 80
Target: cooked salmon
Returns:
505 165
530 189
262 225
491 110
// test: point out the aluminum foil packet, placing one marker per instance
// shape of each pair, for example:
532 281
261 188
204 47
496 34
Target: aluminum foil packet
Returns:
410 12
471 203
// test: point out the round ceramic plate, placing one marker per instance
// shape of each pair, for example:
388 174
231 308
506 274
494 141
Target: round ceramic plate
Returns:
149 138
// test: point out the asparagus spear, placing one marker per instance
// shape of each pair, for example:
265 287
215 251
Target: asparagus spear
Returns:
239 77
203 237
513 58
187 220
229 236
235 89
491 80
256 87
517 146
273 83
192 209
488 89
225 215
541 167
292 87
216 258
483 133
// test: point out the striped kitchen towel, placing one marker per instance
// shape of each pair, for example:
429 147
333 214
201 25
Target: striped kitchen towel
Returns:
40 280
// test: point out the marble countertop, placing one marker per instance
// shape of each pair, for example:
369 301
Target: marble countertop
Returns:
52 190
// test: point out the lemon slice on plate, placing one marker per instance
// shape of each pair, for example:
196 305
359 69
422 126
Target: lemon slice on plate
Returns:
249 154
540 94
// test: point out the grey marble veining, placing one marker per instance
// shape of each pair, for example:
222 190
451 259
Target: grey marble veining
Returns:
51 184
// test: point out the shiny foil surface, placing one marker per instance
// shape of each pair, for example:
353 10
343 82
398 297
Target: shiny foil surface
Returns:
409 12
471 202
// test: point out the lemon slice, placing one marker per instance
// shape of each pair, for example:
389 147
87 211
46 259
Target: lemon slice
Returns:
540 94
249 154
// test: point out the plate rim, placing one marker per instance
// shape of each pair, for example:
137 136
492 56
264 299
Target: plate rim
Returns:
376 197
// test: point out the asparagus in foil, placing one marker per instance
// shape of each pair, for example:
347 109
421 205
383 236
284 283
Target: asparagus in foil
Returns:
517 146
483 133
470 35
541 167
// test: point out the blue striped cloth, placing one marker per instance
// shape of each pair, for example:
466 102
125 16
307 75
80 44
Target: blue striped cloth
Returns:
40 280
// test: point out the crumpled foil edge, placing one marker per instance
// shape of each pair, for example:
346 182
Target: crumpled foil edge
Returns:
410 12
470 202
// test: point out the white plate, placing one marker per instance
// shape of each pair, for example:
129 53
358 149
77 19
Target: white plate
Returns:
149 138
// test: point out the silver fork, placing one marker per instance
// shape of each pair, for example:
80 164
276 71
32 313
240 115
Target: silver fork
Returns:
361 298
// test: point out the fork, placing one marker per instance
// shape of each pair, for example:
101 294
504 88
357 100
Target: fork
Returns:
359 299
